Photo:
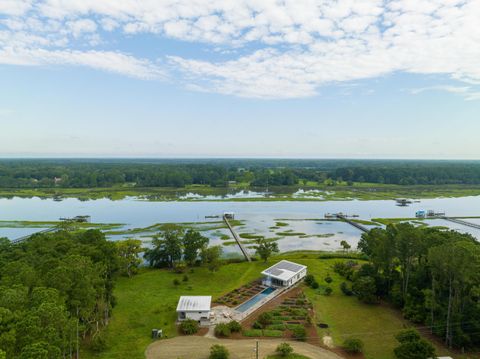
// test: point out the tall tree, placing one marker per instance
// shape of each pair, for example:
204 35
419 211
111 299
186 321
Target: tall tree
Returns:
128 252
193 242
265 248
167 249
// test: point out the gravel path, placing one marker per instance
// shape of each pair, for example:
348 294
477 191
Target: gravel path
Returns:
193 347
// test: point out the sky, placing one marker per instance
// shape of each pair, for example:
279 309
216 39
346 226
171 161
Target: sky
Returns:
240 78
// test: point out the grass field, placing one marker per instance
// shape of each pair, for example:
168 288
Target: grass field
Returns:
149 299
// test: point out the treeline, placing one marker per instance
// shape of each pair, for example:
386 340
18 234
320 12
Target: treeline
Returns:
55 290
222 173
432 275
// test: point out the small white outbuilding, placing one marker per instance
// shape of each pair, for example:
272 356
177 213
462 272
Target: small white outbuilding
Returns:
284 274
194 307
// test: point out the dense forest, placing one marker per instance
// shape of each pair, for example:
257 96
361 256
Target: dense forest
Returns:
179 173
432 275
55 288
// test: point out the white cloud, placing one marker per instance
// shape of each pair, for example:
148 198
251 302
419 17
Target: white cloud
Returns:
298 45
101 60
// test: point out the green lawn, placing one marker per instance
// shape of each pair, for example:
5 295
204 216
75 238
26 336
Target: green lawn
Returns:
149 299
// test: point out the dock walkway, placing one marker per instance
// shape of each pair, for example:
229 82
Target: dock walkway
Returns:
237 239
355 224
462 222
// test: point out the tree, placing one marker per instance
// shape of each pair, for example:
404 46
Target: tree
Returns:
412 346
265 248
265 319
3 355
345 245
128 252
284 349
211 257
365 289
193 242
353 345
167 249
218 352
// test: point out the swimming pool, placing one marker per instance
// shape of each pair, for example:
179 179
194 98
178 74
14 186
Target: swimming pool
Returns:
254 300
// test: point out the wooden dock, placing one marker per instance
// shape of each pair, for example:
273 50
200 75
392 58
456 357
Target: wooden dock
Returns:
460 221
352 223
21 239
237 239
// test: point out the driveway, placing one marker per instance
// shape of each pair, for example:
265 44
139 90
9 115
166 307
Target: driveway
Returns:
194 347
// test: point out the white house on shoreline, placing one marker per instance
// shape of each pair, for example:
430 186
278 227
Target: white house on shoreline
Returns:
194 307
284 274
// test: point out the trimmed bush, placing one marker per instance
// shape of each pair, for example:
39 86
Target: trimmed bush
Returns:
345 289
328 279
218 352
284 349
353 345
234 326
300 333
222 330
189 327
309 279
176 282
185 278
253 333
327 291
276 327
265 319
257 325
272 333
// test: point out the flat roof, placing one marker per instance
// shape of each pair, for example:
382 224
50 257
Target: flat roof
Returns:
194 303
284 270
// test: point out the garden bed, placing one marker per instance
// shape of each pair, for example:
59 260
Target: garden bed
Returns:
240 295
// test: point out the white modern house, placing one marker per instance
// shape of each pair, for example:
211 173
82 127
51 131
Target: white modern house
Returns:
194 307
284 274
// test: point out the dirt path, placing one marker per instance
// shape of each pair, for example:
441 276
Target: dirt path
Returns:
193 347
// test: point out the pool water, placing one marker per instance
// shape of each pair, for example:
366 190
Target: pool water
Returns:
254 300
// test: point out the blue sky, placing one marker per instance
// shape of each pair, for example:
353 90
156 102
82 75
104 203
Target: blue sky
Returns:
240 79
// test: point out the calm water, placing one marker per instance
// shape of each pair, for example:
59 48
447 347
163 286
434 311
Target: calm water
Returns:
258 216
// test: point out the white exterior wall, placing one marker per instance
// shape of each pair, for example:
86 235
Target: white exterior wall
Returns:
197 316
298 277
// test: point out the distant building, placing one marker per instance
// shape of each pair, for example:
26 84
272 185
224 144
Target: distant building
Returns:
194 307
284 274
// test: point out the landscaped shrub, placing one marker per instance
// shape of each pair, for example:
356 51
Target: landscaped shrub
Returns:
353 345
218 352
257 325
284 349
265 319
345 269
189 327
292 327
309 279
234 326
222 330
345 289
327 291
276 327
300 333
185 278
328 279
314 285
273 333
176 282
253 333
